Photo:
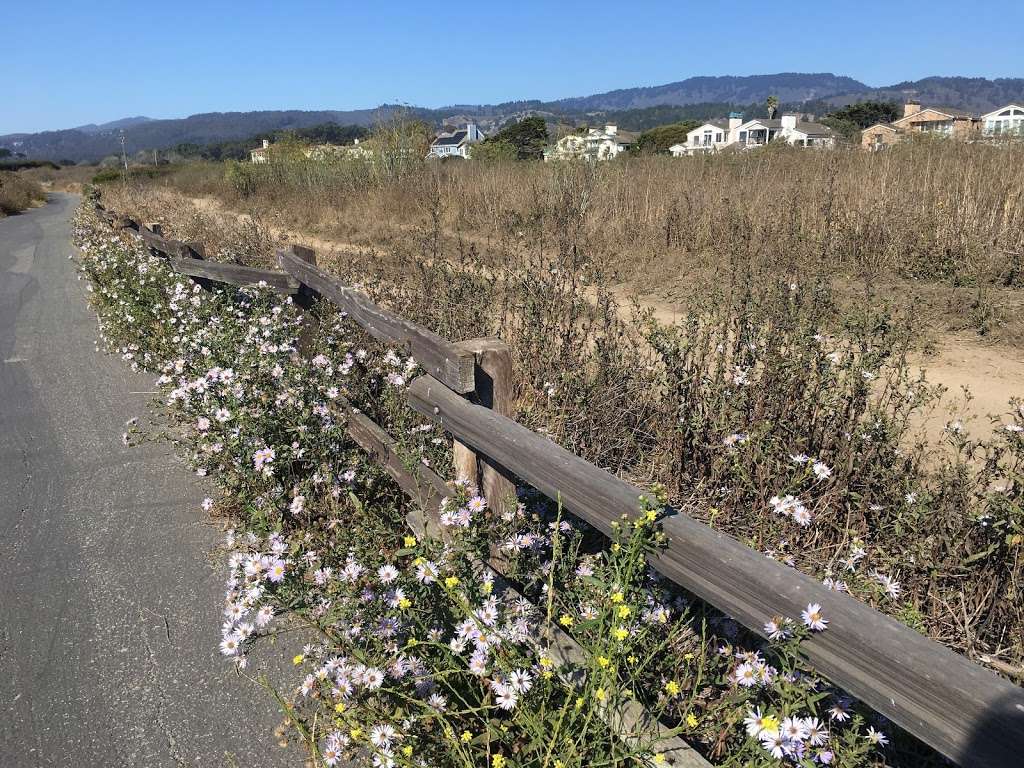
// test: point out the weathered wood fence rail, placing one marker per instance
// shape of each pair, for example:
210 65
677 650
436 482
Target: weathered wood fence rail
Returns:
964 711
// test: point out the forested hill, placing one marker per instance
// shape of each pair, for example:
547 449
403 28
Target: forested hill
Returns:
640 107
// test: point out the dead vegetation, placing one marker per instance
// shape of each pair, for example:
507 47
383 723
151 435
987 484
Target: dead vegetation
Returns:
797 276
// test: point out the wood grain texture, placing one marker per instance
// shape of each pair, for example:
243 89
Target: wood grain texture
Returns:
236 274
962 710
493 375
438 356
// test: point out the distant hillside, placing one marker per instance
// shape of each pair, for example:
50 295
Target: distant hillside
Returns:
86 144
635 108
974 94
788 86
113 125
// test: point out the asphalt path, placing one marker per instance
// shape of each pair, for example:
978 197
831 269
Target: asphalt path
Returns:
110 579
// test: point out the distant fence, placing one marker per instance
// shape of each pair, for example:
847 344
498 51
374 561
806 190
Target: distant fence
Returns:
964 711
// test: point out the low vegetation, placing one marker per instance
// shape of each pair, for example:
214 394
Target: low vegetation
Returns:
18 193
780 408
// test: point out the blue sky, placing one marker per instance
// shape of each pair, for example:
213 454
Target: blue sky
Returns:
65 64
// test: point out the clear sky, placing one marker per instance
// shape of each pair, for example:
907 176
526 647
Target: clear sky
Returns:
68 63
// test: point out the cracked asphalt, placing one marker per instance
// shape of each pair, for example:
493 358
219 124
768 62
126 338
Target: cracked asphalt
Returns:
110 582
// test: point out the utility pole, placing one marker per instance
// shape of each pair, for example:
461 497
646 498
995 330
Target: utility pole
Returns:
124 156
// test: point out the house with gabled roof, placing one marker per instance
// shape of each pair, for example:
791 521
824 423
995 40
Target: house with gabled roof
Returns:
592 144
921 121
456 143
1005 121
716 135
709 137
936 121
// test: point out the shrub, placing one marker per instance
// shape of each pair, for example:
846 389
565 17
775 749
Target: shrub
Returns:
18 193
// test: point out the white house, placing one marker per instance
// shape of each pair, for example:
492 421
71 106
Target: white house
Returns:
596 144
1006 121
456 143
788 128
261 154
710 137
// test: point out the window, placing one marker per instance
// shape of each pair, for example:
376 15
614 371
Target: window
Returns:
718 137
743 136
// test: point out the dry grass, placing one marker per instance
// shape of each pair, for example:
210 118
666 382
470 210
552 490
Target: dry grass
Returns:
756 369
18 193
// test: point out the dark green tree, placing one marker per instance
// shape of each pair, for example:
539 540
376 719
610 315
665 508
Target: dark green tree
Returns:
660 138
864 114
529 137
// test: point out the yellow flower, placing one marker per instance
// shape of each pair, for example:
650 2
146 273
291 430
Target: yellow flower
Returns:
466 737
624 611
298 659
616 547
407 750
599 694
672 688
620 633
659 759
618 597
355 733
488 587
565 620
339 707
579 702
547 674
770 724
404 603
451 582
631 659
691 720
409 541
498 761
545 661
419 561
603 661
651 516
688 656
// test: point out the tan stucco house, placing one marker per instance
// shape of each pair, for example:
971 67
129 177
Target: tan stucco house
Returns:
919 121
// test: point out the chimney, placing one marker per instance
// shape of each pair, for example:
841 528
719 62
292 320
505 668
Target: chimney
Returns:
266 143
789 121
471 132
611 130
911 108
735 121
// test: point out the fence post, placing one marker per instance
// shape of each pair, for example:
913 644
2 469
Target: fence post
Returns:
303 299
493 390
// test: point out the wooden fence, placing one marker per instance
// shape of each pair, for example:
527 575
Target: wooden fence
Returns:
964 711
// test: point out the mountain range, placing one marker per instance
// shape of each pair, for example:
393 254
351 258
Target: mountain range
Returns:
631 107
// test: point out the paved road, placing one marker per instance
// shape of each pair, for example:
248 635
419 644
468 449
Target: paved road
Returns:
109 587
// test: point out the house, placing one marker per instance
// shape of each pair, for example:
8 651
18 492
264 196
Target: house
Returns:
936 121
879 136
456 143
789 128
596 144
734 132
710 137
261 154
918 120
1005 121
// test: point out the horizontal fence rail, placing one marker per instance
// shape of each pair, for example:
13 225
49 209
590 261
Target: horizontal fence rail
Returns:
964 711
435 354
936 694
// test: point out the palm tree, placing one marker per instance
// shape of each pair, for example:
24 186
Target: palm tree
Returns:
773 104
